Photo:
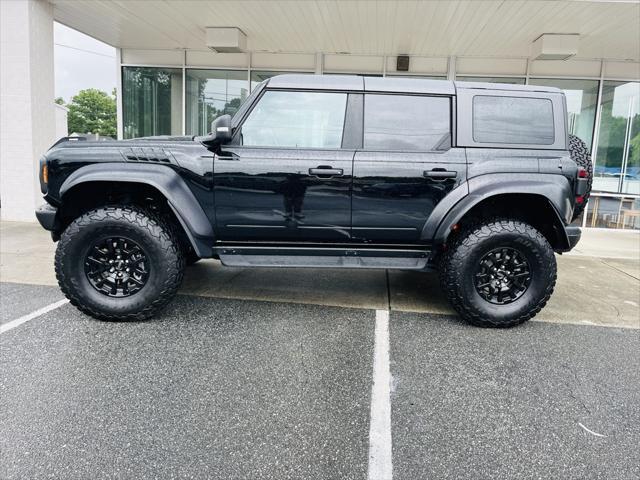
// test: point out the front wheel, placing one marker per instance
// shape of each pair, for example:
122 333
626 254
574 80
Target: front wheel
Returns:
499 273
119 263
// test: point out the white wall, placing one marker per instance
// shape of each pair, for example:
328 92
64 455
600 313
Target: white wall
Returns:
27 116
62 126
419 65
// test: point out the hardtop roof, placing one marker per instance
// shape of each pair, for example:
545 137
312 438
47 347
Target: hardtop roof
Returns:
390 84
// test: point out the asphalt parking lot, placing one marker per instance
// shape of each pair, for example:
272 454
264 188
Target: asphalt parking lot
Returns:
220 388
280 374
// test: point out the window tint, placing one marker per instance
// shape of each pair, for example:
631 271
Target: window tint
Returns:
406 122
512 120
296 119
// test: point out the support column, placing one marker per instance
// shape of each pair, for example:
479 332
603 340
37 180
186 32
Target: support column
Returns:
319 68
27 116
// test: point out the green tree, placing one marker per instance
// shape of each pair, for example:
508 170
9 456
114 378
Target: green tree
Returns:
92 111
59 100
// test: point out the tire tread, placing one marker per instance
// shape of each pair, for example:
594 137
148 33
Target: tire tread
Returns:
451 266
136 217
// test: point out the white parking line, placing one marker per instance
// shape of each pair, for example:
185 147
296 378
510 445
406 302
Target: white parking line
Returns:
30 316
380 463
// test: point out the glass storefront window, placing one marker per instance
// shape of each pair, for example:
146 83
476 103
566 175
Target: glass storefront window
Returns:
211 93
617 162
613 212
151 101
510 80
582 99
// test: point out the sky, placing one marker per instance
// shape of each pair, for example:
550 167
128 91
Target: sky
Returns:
81 62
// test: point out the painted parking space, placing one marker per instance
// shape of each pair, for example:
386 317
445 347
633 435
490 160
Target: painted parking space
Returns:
225 388
209 389
18 300
538 401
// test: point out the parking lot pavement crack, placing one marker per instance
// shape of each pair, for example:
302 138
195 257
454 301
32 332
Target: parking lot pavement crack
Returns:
571 386
618 314
618 269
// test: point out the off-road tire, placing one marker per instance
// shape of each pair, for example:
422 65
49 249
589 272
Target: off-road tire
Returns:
580 154
459 263
148 230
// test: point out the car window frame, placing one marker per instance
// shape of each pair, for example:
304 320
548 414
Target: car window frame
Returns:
488 95
464 119
237 134
452 113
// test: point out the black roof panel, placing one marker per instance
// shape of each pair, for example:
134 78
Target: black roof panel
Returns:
390 84
317 82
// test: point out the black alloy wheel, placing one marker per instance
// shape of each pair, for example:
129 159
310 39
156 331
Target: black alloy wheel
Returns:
503 276
117 267
498 272
119 262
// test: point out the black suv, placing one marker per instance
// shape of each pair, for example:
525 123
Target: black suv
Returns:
479 181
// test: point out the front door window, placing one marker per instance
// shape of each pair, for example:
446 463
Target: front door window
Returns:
296 120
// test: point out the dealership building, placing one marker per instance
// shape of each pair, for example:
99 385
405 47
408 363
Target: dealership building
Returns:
181 63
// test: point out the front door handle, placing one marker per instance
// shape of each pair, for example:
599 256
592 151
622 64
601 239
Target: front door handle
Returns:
228 156
439 174
326 171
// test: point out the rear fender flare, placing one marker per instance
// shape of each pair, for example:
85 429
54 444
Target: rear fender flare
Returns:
164 179
553 188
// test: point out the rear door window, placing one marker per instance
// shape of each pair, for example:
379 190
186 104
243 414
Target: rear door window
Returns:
407 122
513 120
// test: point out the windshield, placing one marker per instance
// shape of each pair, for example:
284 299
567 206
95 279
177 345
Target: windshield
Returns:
247 103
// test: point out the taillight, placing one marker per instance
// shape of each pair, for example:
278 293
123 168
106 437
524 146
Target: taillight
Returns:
45 173
581 186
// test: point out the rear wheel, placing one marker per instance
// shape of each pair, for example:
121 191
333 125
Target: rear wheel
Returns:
119 263
499 273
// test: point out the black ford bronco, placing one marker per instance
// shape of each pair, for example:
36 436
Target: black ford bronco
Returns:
479 181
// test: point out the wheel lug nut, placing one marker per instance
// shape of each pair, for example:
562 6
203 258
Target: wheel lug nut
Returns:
110 261
112 269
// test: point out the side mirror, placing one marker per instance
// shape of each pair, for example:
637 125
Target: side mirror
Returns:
220 132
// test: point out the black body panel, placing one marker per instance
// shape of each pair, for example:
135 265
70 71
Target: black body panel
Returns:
395 192
281 195
347 198
178 167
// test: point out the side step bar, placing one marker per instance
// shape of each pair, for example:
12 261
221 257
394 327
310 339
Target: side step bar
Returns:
243 256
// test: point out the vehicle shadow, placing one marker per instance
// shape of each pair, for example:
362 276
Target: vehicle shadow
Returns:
372 289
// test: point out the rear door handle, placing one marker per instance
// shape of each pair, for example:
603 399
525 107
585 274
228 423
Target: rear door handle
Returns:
439 174
326 171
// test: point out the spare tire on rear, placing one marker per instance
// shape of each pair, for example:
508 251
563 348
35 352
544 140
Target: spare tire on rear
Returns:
580 154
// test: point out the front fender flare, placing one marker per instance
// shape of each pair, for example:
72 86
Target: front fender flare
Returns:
164 179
